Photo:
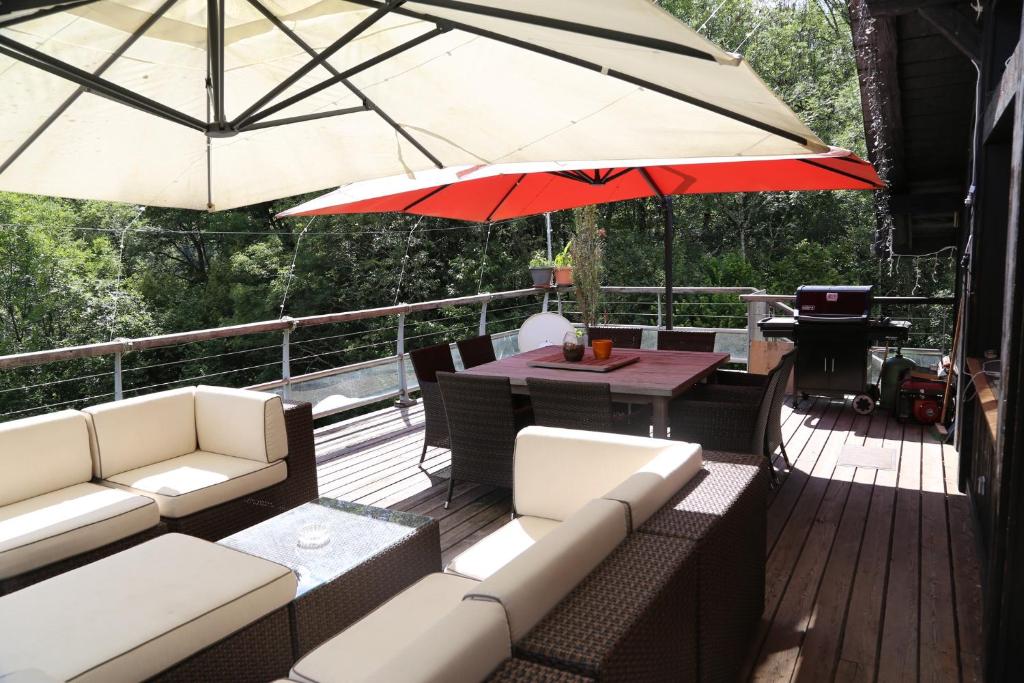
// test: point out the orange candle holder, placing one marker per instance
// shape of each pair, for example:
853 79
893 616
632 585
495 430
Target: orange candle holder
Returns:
602 348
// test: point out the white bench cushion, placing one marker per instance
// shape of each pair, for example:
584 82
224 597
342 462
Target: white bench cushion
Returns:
42 454
129 616
653 485
242 423
495 550
465 646
557 471
57 525
355 653
141 431
198 481
530 585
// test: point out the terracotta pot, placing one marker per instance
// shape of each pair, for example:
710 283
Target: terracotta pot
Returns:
602 348
563 275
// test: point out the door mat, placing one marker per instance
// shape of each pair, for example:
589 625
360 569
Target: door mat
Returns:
865 456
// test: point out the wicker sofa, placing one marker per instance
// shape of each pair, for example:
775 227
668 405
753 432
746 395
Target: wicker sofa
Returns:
598 578
77 486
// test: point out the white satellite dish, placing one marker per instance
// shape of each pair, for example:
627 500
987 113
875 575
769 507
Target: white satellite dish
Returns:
543 329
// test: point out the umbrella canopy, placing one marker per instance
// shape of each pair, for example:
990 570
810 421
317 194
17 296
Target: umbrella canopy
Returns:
511 190
492 193
223 103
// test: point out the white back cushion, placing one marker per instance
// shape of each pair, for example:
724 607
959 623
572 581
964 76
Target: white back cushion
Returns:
464 646
529 586
43 454
557 471
141 431
240 422
654 484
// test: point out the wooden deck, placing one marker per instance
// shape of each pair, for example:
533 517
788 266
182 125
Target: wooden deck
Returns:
873 574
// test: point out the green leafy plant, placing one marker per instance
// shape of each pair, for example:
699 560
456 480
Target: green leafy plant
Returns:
564 258
540 260
587 256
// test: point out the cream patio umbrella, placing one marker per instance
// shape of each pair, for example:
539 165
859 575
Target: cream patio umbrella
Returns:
214 104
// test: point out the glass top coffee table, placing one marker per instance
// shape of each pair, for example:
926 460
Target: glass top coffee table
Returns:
349 558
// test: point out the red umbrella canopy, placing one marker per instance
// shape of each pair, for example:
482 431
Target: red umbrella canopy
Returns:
490 193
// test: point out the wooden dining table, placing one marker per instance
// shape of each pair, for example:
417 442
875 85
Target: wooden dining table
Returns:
655 378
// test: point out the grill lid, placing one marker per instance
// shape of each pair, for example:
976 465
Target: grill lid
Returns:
837 303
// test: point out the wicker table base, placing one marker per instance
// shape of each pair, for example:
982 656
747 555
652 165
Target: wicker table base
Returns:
349 559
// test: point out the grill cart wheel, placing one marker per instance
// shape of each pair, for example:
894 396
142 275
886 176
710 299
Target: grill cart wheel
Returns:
863 404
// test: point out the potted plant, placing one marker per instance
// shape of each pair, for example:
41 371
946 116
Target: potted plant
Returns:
563 266
541 268
573 345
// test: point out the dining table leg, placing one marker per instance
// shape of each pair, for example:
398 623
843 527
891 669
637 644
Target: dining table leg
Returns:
660 408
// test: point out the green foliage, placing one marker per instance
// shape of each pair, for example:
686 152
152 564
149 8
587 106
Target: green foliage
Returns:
540 260
587 258
563 259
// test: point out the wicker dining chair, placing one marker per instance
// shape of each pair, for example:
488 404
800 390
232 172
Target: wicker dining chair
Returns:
679 340
482 427
584 405
734 413
427 362
622 337
476 351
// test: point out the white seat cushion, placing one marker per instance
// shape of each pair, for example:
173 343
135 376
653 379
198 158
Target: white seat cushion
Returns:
355 653
141 431
594 462
530 585
42 454
54 526
129 616
495 550
197 481
241 422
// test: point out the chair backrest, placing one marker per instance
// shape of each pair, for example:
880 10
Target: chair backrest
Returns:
764 413
571 405
784 368
622 337
430 360
679 340
481 427
476 351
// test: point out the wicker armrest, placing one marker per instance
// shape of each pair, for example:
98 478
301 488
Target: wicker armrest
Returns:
739 378
298 420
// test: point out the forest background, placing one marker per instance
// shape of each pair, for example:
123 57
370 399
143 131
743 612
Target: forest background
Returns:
77 272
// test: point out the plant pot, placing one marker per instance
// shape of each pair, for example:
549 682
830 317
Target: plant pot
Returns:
541 277
563 276
602 348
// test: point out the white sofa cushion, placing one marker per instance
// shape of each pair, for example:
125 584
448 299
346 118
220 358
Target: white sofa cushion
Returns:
73 520
655 483
240 422
129 616
495 550
140 431
557 471
355 653
464 646
198 481
531 584
42 454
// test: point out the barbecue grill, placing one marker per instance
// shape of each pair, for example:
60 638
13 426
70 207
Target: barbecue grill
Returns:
833 331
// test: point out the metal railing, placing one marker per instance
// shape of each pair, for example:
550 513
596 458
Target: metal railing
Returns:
336 376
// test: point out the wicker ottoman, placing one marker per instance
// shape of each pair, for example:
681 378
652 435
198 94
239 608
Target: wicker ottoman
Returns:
522 671
722 510
631 619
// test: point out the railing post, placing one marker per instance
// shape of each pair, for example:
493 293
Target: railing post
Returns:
756 310
544 304
286 362
482 330
403 384
118 387
659 309
558 295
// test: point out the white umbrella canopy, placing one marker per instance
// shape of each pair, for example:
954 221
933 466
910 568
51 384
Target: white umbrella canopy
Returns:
214 104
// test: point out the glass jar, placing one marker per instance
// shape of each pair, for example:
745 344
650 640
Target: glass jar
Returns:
573 347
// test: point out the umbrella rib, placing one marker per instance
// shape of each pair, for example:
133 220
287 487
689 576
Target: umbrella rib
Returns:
650 181
63 107
321 58
95 84
241 123
612 176
306 117
572 27
368 104
505 197
45 12
854 176
424 198
619 75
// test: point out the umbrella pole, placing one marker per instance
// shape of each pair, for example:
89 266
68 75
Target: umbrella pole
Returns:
670 233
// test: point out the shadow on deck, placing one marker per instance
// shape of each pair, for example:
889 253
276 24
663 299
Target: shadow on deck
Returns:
872 574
